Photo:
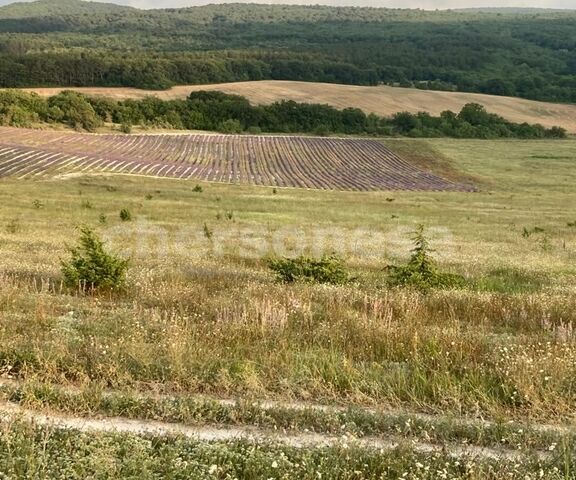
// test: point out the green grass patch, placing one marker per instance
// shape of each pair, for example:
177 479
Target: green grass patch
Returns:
510 281
28 451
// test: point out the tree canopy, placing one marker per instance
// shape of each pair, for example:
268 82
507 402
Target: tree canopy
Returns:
217 111
73 43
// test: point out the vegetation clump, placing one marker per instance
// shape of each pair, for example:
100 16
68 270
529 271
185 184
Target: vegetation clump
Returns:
230 126
75 110
421 271
91 267
125 215
328 269
234 114
527 233
208 233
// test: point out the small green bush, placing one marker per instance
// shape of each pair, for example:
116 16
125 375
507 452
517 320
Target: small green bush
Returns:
328 269
91 268
207 232
254 130
198 189
230 126
421 271
13 226
526 233
322 131
125 215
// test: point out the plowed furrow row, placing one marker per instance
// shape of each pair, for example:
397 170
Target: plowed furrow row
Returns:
306 162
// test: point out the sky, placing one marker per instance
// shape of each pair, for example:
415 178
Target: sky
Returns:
426 4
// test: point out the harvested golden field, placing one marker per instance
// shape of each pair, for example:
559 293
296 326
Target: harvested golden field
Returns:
382 100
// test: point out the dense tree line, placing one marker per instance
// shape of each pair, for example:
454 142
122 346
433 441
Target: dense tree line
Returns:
159 72
531 55
217 111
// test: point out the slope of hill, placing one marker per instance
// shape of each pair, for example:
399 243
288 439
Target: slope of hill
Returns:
75 43
381 100
54 8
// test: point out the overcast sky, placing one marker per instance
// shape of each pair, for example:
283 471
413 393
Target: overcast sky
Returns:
428 4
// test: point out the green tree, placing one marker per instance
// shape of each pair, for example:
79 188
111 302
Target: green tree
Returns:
75 110
421 271
91 267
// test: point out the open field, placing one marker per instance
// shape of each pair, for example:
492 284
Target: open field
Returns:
350 164
381 100
472 383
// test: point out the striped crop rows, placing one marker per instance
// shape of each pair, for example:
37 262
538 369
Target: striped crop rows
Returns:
322 163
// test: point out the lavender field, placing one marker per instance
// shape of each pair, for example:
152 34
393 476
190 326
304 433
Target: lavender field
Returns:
304 162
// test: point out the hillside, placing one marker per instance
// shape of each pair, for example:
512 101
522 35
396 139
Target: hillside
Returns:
56 8
74 43
381 100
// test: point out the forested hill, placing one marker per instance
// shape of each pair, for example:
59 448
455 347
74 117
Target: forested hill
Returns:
528 54
48 8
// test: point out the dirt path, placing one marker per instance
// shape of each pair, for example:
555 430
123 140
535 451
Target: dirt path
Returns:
12 412
301 406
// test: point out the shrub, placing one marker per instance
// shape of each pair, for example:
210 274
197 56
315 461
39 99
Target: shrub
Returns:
328 269
207 232
91 267
421 270
198 189
126 128
13 226
526 233
254 130
75 110
125 215
322 131
230 126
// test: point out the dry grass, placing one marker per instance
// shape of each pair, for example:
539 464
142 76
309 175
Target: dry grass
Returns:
204 316
203 319
381 100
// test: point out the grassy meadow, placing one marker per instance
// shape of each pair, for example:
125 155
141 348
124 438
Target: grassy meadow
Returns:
202 314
